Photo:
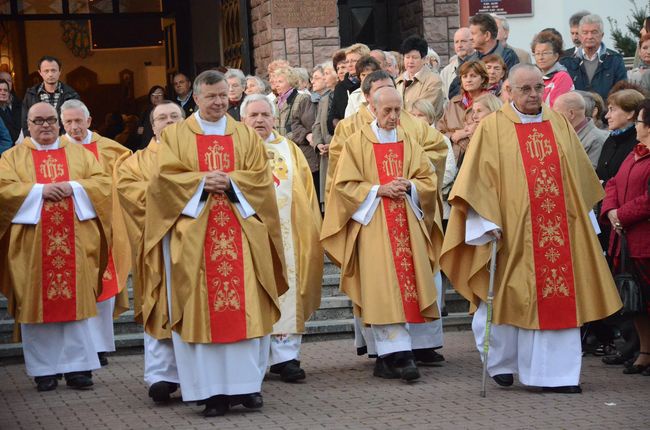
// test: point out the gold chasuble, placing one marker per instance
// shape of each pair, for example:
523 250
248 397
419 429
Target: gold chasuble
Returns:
300 219
387 266
430 139
107 152
51 270
536 183
227 271
149 301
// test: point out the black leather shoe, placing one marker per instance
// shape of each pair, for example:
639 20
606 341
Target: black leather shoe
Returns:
216 406
402 363
567 389
615 359
505 379
46 383
161 390
102 358
382 370
289 371
363 350
427 356
635 368
79 380
249 401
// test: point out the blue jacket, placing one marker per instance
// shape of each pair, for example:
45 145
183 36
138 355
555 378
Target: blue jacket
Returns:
611 69
5 138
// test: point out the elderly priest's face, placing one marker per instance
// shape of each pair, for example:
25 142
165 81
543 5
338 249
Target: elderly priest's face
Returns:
259 116
43 123
213 100
387 107
75 123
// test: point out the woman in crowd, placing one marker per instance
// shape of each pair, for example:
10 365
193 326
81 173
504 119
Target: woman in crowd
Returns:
340 64
236 86
320 138
254 85
474 81
295 115
627 208
640 75
156 95
497 73
547 48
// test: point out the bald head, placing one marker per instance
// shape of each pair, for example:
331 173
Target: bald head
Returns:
521 71
572 106
526 88
463 42
387 107
43 123
379 55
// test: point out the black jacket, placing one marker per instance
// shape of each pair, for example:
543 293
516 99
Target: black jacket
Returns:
615 150
340 101
611 69
31 98
190 106
11 117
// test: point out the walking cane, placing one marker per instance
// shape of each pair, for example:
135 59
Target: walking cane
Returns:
488 323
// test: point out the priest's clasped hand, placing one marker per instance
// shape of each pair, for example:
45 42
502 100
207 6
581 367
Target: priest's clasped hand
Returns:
217 182
57 191
395 189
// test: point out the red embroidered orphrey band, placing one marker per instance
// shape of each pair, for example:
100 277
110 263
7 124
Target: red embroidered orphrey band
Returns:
390 160
110 286
58 271
556 302
224 259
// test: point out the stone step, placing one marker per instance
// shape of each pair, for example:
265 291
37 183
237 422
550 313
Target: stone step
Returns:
333 308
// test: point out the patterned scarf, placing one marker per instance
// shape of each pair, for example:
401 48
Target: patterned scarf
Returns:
51 98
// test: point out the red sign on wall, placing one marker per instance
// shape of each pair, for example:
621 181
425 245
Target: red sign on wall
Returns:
501 7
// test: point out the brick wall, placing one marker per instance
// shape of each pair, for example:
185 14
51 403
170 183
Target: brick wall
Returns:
304 47
441 20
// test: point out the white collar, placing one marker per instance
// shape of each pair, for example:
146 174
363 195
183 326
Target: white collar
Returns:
384 136
271 138
212 127
526 118
88 139
40 147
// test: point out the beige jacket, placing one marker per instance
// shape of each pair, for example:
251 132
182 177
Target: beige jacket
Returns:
426 85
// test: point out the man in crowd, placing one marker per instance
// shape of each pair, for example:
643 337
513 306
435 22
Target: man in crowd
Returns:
10 106
214 189
502 36
149 301
51 90
183 90
574 28
484 31
365 66
114 298
300 219
463 48
594 67
381 228
418 81
534 193
56 201
572 106
236 86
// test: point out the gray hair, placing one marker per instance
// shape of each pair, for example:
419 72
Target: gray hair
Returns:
255 98
390 59
521 67
302 73
327 65
259 81
209 77
75 104
237 74
590 102
377 95
502 19
318 68
574 21
593 19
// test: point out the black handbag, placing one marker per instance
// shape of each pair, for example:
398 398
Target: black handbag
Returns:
627 285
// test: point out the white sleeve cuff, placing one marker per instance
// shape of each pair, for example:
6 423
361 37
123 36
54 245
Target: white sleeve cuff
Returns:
414 202
195 205
83 207
244 208
366 211
30 210
477 229
594 221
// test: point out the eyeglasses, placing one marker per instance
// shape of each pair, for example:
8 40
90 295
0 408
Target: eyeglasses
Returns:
543 54
539 88
158 94
40 121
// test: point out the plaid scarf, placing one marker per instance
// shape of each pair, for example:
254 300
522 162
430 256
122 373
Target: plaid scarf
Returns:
51 98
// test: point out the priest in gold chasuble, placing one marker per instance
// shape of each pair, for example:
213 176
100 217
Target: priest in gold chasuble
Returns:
53 247
431 141
300 219
527 179
212 205
133 173
381 227
114 298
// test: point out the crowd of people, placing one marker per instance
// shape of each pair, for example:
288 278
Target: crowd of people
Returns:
222 199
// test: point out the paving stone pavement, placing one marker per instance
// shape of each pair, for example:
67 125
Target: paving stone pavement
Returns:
339 393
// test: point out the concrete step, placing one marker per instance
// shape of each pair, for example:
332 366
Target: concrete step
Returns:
333 308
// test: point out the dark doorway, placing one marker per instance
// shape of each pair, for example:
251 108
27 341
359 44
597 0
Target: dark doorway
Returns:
373 22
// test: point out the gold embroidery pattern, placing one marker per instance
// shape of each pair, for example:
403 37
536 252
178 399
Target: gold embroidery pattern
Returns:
216 159
545 184
410 292
57 242
59 287
227 297
51 169
555 284
222 245
550 232
538 146
392 165
108 276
